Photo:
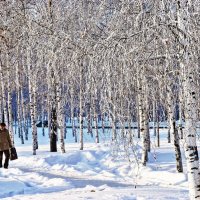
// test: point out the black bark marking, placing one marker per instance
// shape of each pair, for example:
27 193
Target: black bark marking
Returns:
194 168
190 135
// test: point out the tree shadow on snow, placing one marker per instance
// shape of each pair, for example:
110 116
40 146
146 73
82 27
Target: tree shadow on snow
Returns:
81 182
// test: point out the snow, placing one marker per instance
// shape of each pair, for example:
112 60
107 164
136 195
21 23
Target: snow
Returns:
97 173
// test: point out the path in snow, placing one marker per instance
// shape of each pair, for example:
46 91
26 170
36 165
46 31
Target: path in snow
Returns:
92 174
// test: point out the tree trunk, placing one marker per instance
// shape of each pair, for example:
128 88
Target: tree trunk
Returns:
179 165
5 113
170 114
43 117
53 128
191 151
19 107
158 129
89 118
143 123
31 103
102 122
96 119
180 120
10 114
61 117
184 10
20 119
23 117
154 118
138 116
81 107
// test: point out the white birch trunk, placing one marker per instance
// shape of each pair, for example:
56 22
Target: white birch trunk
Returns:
180 115
10 124
5 113
158 130
154 118
96 119
191 152
23 117
81 120
61 117
35 111
143 126
89 126
49 113
20 133
72 115
19 111
138 115
170 114
31 103
43 117
179 165
1 108
81 107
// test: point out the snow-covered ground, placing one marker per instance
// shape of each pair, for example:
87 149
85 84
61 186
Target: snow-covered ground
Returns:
94 173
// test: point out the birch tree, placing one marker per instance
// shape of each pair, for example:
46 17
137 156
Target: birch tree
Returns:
184 12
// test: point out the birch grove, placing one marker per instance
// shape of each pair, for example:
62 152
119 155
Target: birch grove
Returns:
129 64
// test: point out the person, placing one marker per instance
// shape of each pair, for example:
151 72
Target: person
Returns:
5 145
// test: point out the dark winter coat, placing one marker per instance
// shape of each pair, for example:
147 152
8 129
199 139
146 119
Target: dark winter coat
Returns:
5 141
